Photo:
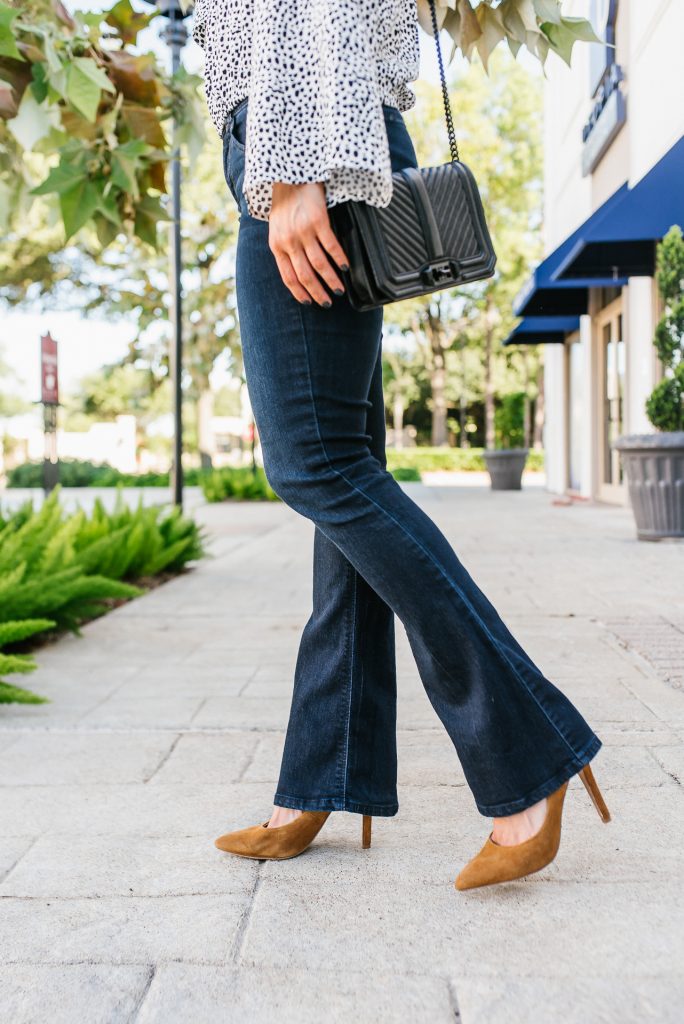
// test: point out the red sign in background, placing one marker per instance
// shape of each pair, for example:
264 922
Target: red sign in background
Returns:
49 392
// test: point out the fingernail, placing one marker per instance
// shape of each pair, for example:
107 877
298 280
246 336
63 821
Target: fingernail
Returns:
338 291
327 304
306 302
344 266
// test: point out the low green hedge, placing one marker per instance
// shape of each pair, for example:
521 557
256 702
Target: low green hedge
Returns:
238 484
58 571
81 473
464 460
406 474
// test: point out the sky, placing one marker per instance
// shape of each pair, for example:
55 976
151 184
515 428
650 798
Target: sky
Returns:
86 345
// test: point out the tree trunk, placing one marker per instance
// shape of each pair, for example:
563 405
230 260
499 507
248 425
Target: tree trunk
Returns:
489 390
527 419
398 421
462 403
439 408
538 439
438 382
205 433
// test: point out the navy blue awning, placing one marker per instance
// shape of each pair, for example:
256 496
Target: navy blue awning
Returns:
623 242
543 295
542 330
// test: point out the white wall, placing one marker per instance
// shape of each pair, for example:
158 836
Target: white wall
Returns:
113 443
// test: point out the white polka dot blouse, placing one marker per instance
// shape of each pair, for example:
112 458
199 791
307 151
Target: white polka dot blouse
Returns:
317 73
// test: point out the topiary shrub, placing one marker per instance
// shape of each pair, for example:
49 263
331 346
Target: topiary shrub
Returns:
665 406
509 421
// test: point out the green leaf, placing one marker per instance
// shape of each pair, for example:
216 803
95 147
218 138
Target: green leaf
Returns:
548 10
96 75
8 46
582 29
148 213
84 84
61 179
39 85
123 174
53 61
78 205
108 208
564 36
134 148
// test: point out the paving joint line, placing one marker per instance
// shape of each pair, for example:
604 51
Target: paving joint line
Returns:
197 710
453 1000
249 761
672 775
135 1013
10 869
164 759
245 919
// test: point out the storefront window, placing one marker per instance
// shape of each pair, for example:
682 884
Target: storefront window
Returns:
577 415
613 352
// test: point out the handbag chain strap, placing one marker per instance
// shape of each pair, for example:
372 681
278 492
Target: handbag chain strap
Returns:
453 146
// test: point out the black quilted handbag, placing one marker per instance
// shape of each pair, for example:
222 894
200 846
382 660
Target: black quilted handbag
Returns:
433 234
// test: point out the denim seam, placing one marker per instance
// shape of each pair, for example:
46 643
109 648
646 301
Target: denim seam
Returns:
340 758
352 666
356 806
473 614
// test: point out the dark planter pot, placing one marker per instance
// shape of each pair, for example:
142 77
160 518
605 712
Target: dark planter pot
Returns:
654 467
506 467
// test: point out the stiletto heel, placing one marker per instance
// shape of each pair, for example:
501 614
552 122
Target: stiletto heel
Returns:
495 863
366 832
587 777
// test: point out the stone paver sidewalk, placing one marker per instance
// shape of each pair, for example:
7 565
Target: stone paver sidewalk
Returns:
166 729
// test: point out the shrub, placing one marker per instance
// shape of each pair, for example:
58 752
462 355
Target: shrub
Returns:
56 571
434 459
242 484
509 421
426 460
407 474
665 406
81 473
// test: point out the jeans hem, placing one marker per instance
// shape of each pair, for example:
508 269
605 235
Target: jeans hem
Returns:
570 768
335 803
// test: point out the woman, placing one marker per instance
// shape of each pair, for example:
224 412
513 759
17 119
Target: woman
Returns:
308 95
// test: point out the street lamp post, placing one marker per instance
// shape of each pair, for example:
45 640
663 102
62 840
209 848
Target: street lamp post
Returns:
175 35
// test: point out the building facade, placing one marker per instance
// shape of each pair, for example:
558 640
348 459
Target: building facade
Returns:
614 184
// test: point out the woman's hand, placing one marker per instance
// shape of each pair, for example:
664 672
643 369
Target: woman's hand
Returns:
301 239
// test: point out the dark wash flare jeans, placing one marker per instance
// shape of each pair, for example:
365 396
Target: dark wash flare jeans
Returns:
315 383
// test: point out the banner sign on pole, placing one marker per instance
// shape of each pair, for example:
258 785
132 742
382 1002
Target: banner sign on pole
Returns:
49 394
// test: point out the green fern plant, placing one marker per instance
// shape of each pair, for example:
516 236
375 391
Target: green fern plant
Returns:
10 664
58 570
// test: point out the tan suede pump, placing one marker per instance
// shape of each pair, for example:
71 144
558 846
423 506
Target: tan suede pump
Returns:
495 863
259 842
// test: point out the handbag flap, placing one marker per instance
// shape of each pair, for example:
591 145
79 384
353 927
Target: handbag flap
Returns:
400 238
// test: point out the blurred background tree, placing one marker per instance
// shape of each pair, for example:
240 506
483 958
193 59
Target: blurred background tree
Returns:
459 332
84 144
